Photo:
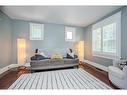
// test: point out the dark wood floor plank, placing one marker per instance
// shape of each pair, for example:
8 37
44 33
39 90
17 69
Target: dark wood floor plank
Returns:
8 79
100 74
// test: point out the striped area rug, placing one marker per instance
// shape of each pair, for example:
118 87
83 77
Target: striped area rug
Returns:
60 79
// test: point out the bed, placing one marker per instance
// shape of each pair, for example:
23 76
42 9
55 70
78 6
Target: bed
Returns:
59 79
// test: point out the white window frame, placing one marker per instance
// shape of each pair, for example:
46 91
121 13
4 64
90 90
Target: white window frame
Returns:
42 31
70 29
116 18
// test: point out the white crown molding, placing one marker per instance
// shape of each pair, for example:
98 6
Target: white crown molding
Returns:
97 65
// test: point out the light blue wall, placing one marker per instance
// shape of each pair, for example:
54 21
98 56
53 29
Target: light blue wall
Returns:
124 33
54 38
5 40
88 40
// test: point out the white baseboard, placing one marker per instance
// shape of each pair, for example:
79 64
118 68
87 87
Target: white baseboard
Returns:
4 69
97 65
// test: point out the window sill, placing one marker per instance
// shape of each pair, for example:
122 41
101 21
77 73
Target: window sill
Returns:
106 56
36 39
70 40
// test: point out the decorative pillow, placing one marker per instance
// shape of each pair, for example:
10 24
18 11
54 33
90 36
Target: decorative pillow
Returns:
70 55
42 53
121 65
75 56
56 56
37 57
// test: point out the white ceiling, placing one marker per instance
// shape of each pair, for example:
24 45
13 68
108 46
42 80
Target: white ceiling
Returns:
68 15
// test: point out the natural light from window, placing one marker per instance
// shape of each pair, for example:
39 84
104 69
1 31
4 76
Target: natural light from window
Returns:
70 33
109 38
36 31
106 40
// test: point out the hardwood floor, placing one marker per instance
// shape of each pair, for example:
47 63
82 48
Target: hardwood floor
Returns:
12 75
100 74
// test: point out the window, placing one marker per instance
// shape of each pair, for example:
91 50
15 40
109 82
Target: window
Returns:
106 37
36 31
109 38
70 33
97 39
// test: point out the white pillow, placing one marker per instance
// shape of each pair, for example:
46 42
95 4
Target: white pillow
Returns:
43 54
121 65
71 54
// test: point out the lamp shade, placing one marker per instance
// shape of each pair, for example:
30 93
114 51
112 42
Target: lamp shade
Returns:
81 50
21 51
